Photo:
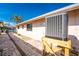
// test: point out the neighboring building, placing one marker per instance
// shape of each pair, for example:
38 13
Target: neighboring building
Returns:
62 23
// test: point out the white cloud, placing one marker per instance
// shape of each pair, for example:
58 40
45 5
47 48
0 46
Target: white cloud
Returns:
9 23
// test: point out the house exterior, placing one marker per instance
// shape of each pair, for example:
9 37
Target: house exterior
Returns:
62 23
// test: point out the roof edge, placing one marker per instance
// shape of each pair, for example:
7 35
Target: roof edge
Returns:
55 11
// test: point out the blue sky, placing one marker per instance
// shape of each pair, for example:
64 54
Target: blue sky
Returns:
26 10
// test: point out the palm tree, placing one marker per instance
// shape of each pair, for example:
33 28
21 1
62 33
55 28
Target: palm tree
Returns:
17 19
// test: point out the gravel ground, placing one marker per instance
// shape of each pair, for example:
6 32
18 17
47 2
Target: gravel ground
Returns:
7 48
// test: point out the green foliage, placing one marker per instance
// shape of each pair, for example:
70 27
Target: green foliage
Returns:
3 28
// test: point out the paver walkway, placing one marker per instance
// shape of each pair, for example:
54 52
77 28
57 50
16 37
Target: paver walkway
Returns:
9 49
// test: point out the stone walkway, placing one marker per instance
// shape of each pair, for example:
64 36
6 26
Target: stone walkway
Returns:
7 48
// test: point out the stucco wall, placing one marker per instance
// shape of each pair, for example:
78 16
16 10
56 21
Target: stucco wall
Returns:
38 30
73 28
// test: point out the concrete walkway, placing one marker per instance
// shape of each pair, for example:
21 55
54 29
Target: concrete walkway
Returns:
7 48
29 47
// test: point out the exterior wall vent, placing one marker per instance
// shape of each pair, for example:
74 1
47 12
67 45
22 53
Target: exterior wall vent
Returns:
57 26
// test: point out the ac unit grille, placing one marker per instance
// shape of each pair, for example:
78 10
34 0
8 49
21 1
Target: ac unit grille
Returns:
57 26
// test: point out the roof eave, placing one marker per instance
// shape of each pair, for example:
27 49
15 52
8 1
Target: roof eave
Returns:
67 8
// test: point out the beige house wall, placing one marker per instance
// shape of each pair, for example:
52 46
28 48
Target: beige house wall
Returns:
73 27
38 29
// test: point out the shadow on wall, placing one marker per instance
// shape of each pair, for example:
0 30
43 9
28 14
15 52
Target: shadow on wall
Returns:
74 42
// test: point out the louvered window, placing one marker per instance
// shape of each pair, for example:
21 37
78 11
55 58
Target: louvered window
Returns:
57 26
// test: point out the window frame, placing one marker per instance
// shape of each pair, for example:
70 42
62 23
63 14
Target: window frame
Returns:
28 27
18 27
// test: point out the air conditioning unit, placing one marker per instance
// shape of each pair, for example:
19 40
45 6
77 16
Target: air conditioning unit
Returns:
57 26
